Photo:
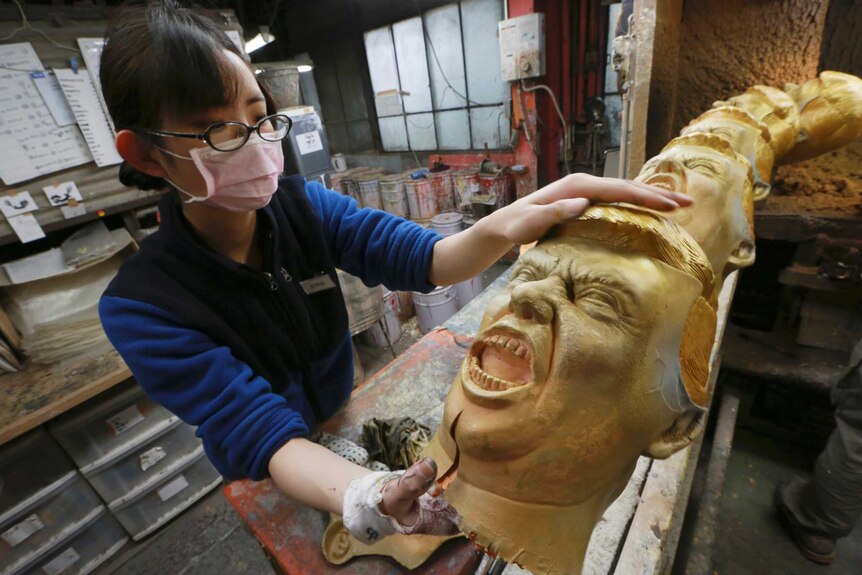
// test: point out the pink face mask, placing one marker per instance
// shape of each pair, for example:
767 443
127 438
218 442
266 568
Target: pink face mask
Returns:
242 180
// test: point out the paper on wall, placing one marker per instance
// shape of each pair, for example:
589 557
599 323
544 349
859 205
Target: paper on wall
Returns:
92 48
61 194
17 204
26 228
84 101
309 142
52 95
20 56
70 211
31 144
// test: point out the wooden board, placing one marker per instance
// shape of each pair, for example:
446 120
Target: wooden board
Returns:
37 394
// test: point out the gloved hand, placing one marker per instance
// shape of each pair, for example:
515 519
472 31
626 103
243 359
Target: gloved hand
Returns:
383 503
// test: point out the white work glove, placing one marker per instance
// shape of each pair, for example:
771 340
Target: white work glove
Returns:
367 523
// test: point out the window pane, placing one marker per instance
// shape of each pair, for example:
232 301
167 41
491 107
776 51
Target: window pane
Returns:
488 127
453 130
482 50
412 64
380 52
443 26
611 76
393 133
420 130
614 113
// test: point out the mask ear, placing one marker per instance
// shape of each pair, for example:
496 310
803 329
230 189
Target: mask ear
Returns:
684 429
743 256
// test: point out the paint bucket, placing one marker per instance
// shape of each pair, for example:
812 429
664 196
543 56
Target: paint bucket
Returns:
441 182
392 195
391 323
421 201
447 224
337 179
467 290
369 191
364 304
465 183
405 305
432 309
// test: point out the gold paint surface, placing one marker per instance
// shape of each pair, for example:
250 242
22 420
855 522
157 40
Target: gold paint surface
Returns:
773 107
705 167
830 114
747 136
574 374
411 551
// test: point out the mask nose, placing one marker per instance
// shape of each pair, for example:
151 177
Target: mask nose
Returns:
668 166
530 301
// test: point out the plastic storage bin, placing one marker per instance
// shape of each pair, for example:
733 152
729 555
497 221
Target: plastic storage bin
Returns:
31 530
152 504
125 470
28 465
113 421
96 540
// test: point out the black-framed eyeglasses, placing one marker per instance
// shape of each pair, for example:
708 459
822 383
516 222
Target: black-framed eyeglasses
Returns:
229 136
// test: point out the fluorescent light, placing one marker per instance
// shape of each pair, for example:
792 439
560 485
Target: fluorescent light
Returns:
262 39
304 68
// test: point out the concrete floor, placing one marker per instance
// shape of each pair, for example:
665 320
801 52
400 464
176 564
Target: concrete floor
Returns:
752 541
209 538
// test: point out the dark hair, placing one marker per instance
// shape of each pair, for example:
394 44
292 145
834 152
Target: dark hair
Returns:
163 60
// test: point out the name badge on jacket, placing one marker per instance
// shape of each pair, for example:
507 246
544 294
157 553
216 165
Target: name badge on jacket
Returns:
316 284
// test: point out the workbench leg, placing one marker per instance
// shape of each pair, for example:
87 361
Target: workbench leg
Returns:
386 335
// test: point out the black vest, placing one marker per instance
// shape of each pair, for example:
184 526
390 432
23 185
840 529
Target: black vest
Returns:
264 317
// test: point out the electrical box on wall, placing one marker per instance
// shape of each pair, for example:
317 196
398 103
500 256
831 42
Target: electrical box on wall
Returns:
522 47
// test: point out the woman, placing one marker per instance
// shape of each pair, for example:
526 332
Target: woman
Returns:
230 315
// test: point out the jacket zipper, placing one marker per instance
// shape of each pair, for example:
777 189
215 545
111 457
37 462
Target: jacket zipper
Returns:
294 329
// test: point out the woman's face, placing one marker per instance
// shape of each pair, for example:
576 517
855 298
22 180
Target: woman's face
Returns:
249 108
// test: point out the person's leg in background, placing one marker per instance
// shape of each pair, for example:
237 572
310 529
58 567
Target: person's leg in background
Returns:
829 505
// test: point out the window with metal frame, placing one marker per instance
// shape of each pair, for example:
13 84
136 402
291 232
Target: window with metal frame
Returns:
437 82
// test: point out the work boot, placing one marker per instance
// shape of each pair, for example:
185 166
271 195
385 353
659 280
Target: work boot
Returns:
814 546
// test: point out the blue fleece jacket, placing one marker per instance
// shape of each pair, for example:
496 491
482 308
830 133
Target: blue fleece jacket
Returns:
246 355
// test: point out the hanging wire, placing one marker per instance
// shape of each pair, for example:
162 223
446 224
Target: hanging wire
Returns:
523 113
27 26
440 67
567 142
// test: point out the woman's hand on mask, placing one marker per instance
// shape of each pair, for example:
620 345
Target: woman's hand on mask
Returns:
381 504
408 501
462 256
530 218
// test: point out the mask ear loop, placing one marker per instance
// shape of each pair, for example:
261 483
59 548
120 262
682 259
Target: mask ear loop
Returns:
191 197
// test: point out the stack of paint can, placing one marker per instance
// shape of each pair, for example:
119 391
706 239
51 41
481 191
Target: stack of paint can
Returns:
465 183
442 184
337 180
393 196
391 330
368 187
421 201
364 304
